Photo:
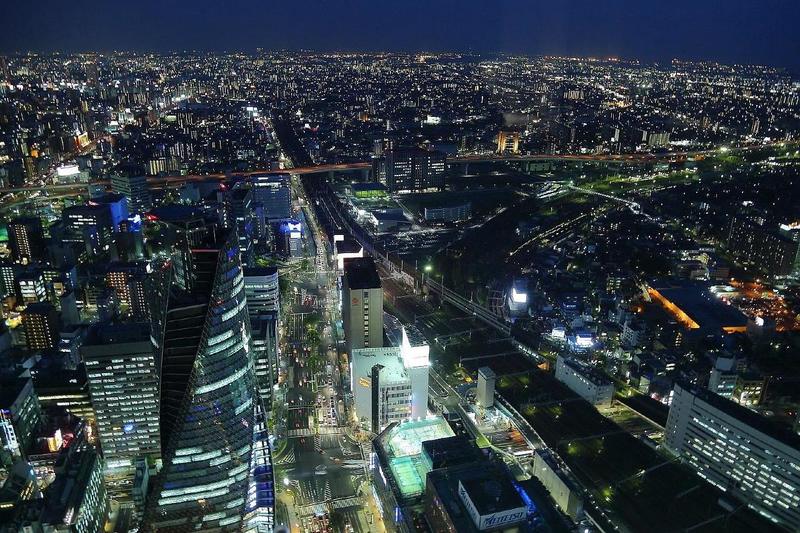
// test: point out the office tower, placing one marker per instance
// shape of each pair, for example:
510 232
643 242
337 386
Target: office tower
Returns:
20 487
207 398
474 497
756 245
243 218
130 281
91 225
76 502
262 288
362 304
92 72
69 343
31 286
41 324
7 280
411 170
60 387
136 189
274 194
291 238
381 387
123 384
26 239
415 353
486 381
263 292
738 451
20 416
260 506
117 205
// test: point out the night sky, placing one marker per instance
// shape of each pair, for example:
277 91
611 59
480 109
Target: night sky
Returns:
731 31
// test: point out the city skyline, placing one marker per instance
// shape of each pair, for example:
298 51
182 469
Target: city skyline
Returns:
325 292
737 32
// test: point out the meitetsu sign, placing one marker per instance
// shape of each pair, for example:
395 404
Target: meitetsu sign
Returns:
494 520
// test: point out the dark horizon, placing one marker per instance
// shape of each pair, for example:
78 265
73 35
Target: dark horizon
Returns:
737 32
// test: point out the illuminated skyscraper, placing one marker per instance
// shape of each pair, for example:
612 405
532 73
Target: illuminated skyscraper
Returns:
123 383
26 239
262 290
135 188
208 398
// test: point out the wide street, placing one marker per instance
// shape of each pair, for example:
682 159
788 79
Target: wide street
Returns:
320 468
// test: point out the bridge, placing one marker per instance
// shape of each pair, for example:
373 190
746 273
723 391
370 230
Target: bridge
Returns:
176 181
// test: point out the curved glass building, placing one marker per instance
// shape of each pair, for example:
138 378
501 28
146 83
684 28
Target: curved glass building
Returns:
207 399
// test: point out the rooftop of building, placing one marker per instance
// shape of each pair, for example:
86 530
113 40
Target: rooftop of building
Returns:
400 445
10 389
361 273
491 492
587 371
260 271
488 486
389 357
176 213
367 186
693 300
451 451
118 333
414 336
348 246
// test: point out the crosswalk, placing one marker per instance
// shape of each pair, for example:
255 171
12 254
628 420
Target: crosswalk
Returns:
321 508
323 430
343 503
288 458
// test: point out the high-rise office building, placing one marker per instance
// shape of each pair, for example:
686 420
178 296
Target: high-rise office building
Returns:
761 248
76 502
738 451
274 194
135 188
411 170
31 286
262 289
41 323
263 293
20 417
89 224
208 398
243 218
26 239
123 384
362 304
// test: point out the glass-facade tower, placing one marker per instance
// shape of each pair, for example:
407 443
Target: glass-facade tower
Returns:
207 398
